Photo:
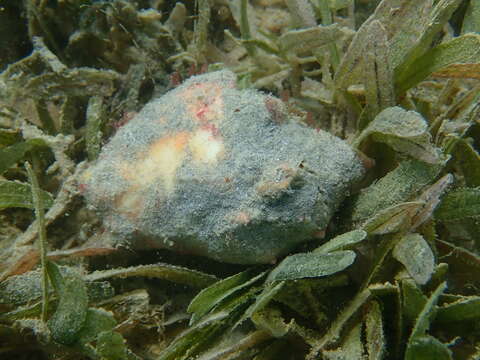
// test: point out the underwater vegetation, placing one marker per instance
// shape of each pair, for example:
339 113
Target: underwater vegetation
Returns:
313 165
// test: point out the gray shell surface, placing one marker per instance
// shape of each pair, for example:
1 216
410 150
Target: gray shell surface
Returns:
229 174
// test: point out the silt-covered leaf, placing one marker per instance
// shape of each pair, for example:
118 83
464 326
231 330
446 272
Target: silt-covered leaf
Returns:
16 194
433 22
466 309
427 314
312 264
111 346
71 311
426 348
407 22
413 300
42 75
405 131
289 293
459 204
95 118
349 71
471 22
464 49
98 340
339 4
459 71
271 320
464 266
187 344
341 242
21 289
408 216
299 41
417 257
316 90
375 336
12 154
431 198
26 288
334 332
378 74
398 186
404 22
208 298
267 294
161 271
96 322
393 219
351 347
469 161
420 344
9 137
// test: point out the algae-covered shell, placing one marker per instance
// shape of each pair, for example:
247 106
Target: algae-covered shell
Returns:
211 170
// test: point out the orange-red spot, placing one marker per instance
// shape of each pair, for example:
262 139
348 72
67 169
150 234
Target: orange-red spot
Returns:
201 112
204 102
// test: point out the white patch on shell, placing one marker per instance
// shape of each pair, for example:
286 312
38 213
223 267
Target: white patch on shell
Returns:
205 147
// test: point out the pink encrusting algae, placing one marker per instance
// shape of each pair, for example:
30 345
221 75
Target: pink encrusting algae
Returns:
212 170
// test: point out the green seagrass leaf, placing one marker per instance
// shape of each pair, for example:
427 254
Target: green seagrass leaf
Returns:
9 137
469 161
434 21
341 242
466 309
398 186
298 41
312 264
16 194
417 257
413 300
96 322
459 204
464 49
426 348
393 219
213 295
375 337
267 294
164 271
405 131
405 21
378 72
471 21
111 346
12 154
351 348
427 314
71 311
